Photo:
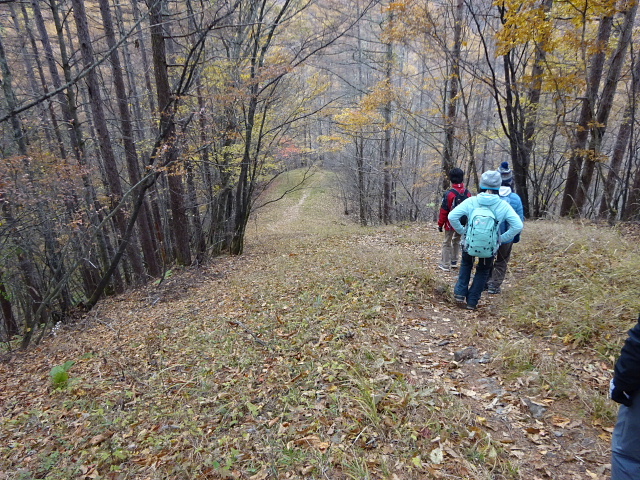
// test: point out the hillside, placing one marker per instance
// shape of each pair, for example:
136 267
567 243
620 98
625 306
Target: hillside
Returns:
334 351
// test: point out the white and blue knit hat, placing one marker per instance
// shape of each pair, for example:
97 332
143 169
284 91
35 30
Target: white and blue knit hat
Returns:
505 172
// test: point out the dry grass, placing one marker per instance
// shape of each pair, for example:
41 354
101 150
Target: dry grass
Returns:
575 281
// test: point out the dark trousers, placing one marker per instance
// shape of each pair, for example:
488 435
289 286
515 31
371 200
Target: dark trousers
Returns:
500 265
483 271
625 445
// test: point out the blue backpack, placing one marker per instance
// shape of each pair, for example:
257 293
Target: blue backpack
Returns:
481 239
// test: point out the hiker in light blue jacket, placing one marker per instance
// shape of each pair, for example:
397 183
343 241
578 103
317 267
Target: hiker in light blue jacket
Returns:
504 252
490 183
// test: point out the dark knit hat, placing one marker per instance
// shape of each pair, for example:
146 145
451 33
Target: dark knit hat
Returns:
505 172
490 180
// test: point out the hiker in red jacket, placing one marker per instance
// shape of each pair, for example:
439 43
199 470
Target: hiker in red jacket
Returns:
450 200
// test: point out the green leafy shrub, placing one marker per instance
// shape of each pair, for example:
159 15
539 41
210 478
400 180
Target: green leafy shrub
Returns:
60 374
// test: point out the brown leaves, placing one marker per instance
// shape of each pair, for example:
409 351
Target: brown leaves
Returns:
312 441
360 376
98 439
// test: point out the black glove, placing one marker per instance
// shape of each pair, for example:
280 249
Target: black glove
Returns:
618 395
440 228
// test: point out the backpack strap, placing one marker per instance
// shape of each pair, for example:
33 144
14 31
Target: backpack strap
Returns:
445 197
445 200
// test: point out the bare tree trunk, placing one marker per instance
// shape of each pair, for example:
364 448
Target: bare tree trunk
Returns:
71 116
51 244
132 86
179 222
608 204
9 323
531 117
7 87
386 149
451 104
569 206
26 58
260 45
26 265
605 105
128 139
100 122
362 198
143 55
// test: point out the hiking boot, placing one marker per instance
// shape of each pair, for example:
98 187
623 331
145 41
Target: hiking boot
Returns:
459 298
471 307
443 267
454 264
493 290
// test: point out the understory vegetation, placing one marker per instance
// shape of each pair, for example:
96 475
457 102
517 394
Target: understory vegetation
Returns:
327 351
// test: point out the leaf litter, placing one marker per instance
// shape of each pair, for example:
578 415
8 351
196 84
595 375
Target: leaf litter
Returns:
328 350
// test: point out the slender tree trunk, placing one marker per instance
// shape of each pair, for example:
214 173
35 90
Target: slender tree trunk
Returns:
71 115
198 233
531 116
128 139
45 84
179 222
362 196
569 205
451 104
100 122
7 87
25 264
608 204
514 113
143 55
132 86
387 217
631 206
604 106
51 244
26 58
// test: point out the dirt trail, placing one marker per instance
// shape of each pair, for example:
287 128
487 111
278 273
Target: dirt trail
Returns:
289 215
548 436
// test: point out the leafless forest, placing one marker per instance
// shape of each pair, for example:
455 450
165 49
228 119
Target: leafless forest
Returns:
138 135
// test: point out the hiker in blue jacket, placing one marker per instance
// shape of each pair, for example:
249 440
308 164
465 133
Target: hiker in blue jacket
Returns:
504 252
490 183
625 385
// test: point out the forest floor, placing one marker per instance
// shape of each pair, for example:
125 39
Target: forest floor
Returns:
331 351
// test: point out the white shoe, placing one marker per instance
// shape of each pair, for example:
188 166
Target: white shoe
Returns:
443 267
